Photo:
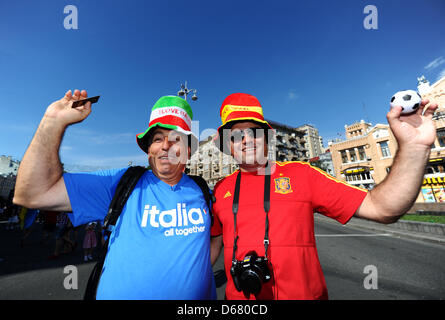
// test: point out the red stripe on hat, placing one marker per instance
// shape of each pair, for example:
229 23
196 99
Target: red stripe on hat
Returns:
240 99
244 114
171 120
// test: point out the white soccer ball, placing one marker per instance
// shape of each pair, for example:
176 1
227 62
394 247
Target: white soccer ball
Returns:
409 100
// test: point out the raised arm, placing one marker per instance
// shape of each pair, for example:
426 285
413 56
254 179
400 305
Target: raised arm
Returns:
39 179
394 196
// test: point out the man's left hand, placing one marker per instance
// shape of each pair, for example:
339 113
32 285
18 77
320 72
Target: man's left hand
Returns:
415 129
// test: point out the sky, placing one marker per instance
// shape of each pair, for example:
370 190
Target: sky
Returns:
308 62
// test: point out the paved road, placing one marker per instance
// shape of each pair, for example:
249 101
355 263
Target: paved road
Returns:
406 269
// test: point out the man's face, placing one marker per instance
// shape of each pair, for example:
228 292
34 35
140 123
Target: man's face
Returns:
167 152
247 144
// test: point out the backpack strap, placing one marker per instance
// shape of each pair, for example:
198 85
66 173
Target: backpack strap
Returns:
123 190
209 198
121 195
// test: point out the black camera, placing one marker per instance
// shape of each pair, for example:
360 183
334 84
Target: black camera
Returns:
250 273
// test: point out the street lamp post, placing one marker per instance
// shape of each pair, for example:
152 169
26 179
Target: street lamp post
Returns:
184 91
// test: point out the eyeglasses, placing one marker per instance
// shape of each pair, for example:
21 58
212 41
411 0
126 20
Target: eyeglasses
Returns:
254 133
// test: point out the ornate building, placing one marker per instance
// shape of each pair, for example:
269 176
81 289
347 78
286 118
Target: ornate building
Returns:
210 163
433 188
365 157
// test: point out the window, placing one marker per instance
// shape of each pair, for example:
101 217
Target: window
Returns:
385 149
344 157
441 137
352 155
361 153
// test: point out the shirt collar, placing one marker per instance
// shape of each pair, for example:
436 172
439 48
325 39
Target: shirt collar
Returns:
153 178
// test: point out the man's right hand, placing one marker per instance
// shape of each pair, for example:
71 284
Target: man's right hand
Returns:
40 181
62 111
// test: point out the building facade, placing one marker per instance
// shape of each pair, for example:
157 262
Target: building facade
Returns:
210 163
313 142
8 166
433 188
324 162
365 157
288 143
8 174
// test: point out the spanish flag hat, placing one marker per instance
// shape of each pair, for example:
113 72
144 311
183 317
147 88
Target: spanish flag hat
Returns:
169 112
239 107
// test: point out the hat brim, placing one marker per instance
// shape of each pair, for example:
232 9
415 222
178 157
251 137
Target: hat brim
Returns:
220 142
143 138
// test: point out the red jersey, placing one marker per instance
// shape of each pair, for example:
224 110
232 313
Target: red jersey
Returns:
297 191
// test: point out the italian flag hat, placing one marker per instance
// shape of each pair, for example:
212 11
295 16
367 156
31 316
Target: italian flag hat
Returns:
239 107
169 112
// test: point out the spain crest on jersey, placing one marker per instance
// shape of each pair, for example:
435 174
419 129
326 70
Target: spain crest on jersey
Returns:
282 185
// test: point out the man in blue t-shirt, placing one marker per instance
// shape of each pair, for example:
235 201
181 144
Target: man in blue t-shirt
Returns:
160 246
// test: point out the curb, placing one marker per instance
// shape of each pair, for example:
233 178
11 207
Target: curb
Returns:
423 227
427 231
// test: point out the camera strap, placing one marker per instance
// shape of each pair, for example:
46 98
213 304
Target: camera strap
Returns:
235 207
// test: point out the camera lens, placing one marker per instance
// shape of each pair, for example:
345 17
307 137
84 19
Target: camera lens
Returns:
251 281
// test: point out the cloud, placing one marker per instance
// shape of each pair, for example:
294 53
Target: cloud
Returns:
113 138
441 75
94 163
435 63
293 95
97 138
20 128
66 148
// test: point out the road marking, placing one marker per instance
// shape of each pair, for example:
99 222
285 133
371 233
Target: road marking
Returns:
354 235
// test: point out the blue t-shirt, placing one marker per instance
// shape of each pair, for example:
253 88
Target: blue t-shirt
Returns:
160 246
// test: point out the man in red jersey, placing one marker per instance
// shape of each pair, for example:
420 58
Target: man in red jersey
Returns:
264 211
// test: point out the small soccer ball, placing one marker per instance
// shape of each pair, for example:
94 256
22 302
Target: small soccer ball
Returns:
409 100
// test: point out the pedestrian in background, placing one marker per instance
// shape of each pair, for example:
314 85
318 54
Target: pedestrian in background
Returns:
63 241
12 214
28 221
89 241
49 225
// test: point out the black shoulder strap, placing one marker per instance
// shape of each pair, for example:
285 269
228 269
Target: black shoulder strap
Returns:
123 191
209 198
